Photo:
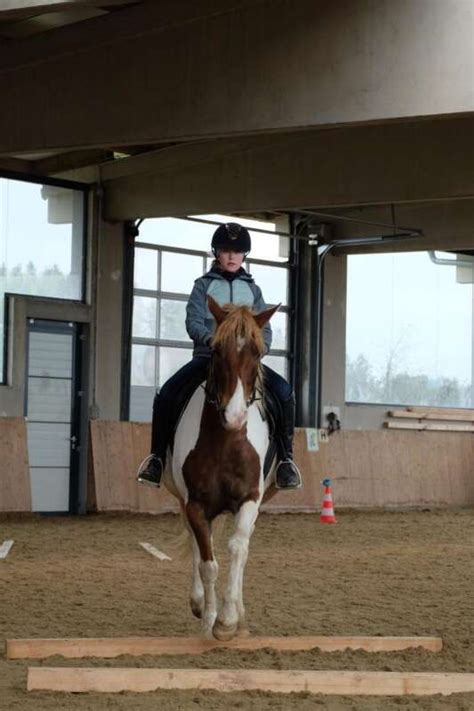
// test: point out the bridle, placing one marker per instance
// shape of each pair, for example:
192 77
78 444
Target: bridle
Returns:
213 397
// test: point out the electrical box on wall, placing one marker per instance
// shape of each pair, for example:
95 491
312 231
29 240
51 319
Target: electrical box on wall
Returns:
331 418
327 409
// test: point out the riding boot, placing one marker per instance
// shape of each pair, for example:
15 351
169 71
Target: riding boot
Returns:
151 470
287 474
168 405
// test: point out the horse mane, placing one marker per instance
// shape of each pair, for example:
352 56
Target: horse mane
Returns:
239 323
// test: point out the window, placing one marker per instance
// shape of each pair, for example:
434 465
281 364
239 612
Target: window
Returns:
169 255
410 329
41 242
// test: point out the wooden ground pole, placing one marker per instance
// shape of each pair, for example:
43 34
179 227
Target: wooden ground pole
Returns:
136 646
110 680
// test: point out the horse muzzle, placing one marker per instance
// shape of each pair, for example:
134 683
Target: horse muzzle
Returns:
235 420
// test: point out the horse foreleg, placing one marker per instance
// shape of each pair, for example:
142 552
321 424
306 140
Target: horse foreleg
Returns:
232 613
206 565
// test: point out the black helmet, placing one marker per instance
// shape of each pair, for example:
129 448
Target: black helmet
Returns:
232 236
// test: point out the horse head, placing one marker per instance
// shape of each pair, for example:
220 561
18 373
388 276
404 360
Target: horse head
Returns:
238 347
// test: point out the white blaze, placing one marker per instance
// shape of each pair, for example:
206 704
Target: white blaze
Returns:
236 410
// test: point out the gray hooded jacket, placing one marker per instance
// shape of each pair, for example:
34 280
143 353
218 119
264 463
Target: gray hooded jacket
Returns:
200 323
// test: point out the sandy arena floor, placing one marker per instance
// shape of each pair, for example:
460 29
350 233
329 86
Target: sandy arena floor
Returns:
372 573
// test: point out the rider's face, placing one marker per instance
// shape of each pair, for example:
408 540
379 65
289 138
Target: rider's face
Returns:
230 261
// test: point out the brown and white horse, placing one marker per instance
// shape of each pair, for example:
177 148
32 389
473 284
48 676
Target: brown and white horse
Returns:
217 463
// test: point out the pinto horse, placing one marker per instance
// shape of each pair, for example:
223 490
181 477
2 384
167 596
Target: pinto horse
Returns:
217 463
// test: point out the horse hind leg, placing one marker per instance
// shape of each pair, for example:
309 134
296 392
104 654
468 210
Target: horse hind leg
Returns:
204 565
232 614
197 588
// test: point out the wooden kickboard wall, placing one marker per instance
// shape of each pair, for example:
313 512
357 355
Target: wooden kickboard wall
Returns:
378 468
14 470
117 450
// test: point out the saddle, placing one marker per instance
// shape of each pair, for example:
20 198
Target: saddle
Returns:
268 404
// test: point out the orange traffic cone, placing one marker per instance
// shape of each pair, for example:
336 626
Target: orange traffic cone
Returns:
327 512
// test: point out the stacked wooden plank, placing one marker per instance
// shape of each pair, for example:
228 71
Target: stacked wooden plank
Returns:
434 419
110 680
14 470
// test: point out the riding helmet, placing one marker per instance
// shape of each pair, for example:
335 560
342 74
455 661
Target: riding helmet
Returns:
231 235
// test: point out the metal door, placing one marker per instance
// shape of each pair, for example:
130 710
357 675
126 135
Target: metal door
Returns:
52 408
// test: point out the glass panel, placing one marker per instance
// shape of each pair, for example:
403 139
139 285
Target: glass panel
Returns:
49 400
49 489
409 331
41 242
179 272
144 317
49 445
279 324
171 360
141 403
145 274
264 246
172 324
143 365
173 232
273 282
278 363
50 355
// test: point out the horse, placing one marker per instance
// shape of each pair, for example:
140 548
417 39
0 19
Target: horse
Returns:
217 463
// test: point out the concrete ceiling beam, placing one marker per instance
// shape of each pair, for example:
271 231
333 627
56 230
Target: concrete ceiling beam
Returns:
169 72
396 163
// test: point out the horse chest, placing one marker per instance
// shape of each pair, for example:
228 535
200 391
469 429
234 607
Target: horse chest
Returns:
219 471
222 477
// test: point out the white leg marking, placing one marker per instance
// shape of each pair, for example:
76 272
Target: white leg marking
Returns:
209 570
154 551
197 588
185 440
236 410
5 548
233 607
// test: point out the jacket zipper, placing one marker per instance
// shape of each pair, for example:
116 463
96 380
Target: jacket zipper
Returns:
231 292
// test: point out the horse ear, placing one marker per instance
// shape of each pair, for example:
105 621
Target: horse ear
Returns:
265 316
218 313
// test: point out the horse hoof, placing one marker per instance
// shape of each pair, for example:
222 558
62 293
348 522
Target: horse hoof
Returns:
196 608
224 632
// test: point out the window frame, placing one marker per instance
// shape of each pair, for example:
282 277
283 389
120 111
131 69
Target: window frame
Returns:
394 403
83 188
159 296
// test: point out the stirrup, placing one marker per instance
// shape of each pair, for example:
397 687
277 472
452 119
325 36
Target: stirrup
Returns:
150 471
293 480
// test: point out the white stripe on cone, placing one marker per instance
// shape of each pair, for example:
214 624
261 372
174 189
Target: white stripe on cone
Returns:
327 511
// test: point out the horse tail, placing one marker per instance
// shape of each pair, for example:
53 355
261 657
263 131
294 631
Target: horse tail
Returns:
219 527
181 543
181 546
